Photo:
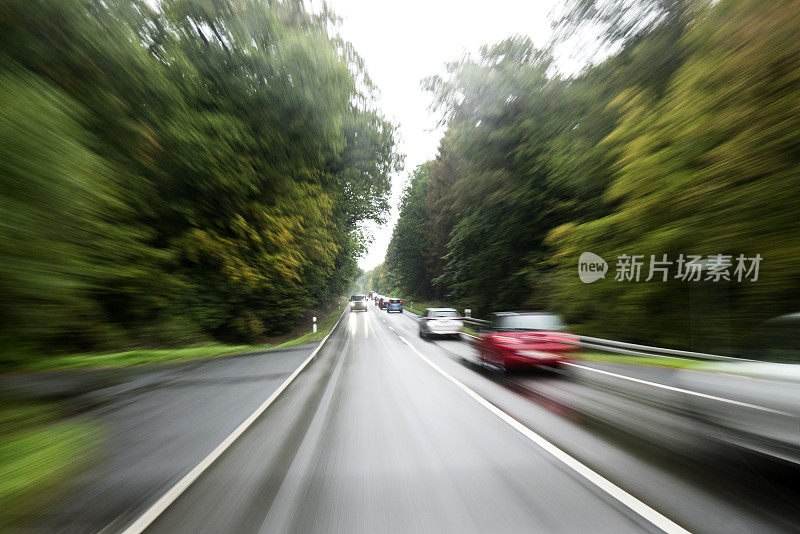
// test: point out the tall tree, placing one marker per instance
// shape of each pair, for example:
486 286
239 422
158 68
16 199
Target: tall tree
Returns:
232 156
703 170
407 253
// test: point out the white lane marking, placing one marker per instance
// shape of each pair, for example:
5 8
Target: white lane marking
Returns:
157 508
672 388
662 522
679 390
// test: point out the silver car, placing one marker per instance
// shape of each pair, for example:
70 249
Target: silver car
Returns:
440 322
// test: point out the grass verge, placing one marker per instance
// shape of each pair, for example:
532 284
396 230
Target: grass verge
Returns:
40 453
469 330
604 357
38 457
131 358
138 357
323 328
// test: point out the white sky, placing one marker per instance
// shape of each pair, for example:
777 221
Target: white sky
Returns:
402 42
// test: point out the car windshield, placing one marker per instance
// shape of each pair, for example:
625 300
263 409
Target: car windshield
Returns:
394 301
444 314
356 298
531 321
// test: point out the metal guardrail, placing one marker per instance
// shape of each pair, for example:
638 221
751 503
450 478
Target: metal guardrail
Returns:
476 322
622 347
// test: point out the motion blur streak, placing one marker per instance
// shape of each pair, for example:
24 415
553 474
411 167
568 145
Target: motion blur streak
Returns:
615 491
369 439
352 324
175 491
682 141
682 391
179 179
182 180
177 204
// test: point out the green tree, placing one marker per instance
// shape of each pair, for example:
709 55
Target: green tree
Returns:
707 169
493 175
408 249
231 156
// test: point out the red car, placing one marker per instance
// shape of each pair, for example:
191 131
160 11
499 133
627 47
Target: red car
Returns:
517 340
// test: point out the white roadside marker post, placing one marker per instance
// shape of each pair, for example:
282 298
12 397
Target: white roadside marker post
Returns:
314 324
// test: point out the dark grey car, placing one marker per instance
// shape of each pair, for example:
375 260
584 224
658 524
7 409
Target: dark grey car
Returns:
358 303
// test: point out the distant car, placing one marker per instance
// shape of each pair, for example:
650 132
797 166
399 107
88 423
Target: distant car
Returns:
439 322
358 303
517 340
382 302
394 305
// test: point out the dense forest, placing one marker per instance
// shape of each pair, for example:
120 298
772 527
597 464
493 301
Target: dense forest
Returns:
198 171
683 141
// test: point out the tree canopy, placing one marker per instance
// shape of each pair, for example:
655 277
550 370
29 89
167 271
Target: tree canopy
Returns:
203 169
682 141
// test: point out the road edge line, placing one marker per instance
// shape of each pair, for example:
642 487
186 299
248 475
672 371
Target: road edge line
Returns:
679 390
669 388
644 511
171 495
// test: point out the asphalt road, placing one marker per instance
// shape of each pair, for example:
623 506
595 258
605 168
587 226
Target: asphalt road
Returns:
158 423
386 432
372 438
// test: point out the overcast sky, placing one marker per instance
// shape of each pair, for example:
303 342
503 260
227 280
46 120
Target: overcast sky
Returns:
402 42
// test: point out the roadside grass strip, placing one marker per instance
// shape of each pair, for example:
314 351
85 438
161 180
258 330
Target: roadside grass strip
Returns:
138 357
38 457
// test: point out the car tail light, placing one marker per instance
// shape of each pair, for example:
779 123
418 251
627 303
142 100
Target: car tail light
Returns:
505 339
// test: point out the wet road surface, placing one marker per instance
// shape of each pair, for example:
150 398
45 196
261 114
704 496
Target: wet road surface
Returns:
159 423
378 434
371 439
